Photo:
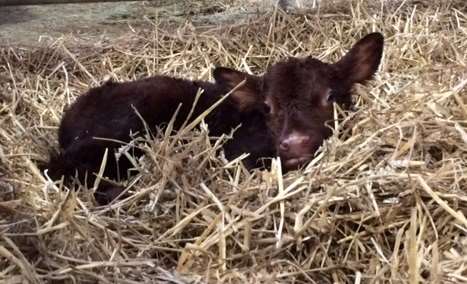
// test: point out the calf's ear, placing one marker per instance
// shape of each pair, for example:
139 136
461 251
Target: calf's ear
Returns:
246 96
363 59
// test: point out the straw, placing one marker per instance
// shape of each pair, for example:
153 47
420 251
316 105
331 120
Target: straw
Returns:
384 203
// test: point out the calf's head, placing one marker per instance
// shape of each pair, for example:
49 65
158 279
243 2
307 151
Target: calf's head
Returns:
297 95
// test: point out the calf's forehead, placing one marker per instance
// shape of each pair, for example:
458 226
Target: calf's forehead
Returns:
297 78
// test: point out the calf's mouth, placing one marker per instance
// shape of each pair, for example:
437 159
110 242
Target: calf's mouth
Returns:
295 163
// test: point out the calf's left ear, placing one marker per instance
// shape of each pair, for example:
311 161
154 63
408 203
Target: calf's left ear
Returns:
246 96
362 61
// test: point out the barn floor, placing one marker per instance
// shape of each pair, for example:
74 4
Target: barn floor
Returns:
94 22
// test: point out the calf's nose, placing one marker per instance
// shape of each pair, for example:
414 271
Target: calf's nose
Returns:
295 142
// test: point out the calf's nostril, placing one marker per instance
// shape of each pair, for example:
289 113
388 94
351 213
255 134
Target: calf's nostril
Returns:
284 146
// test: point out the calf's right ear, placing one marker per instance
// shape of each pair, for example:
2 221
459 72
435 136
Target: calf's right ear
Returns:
246 96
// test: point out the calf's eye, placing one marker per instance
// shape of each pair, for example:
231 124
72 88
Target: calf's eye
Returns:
267 107
331 96
328 99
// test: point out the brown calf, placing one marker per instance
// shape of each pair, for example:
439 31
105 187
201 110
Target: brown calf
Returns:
285 112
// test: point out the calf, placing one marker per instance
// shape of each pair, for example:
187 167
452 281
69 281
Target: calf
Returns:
300 93
284 112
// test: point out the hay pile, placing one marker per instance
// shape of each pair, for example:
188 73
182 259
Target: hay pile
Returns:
385 203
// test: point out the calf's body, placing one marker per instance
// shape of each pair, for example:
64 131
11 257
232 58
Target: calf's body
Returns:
107 115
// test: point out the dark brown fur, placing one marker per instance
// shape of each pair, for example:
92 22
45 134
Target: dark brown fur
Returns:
109 112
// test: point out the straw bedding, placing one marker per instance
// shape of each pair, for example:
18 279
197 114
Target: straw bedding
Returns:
382 202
